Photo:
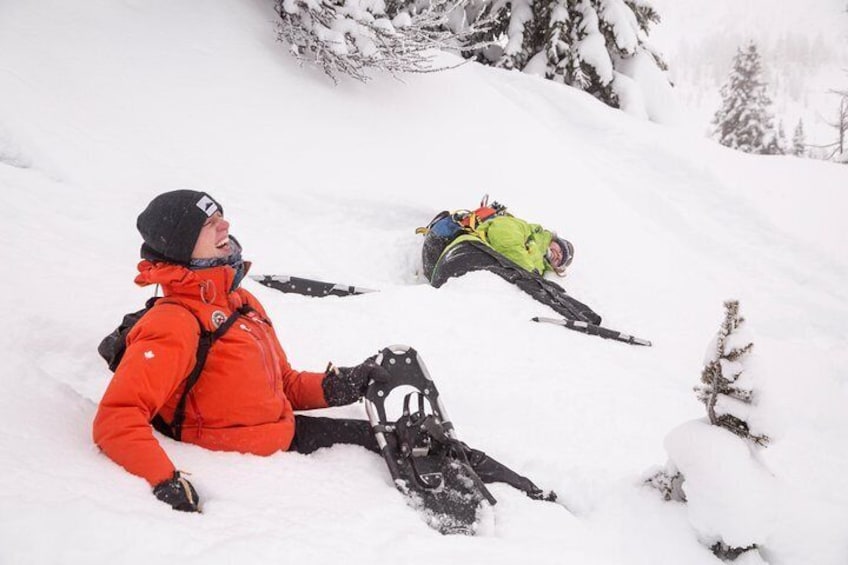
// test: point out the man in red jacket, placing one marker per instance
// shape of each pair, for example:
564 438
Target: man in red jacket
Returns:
246 397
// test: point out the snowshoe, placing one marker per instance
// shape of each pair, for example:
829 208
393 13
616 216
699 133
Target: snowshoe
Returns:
427 462
308 287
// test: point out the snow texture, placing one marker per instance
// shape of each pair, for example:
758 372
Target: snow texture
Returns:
730 496
104 104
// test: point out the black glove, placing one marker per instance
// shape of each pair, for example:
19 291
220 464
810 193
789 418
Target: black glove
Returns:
343 385
179 493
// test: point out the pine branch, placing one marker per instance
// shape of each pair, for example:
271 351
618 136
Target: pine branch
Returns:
728 553
669 484
344 40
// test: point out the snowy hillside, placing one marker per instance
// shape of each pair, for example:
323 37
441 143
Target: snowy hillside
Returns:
104 104
804 47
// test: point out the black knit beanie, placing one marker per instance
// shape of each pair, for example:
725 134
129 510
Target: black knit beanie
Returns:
171 223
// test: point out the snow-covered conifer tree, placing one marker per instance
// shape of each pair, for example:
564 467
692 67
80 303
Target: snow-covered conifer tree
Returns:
799 140
599 46
726 490
744 121
588 44
724 388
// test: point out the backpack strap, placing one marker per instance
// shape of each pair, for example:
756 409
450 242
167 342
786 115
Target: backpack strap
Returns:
482 214
174 430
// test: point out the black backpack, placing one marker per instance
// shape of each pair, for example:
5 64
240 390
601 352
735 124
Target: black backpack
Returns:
114 345
447 226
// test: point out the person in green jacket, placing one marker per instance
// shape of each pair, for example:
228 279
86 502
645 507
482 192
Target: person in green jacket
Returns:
529 246
490 239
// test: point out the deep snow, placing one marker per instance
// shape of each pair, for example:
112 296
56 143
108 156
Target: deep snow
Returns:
104 104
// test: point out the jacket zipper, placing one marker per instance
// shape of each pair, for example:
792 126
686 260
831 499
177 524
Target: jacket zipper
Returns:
269 369
275 358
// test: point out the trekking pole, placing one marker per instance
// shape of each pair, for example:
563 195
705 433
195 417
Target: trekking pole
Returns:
593 329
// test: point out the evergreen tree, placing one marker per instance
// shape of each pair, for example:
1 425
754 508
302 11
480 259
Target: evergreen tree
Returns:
727 393
799 140
594 45
744 121
581 43
723 389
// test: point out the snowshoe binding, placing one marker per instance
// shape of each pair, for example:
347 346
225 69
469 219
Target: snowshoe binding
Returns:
427 462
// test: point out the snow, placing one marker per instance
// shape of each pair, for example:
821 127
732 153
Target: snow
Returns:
592 48
104 104
732 496
729 494
630 96
623 23
658 97
520 15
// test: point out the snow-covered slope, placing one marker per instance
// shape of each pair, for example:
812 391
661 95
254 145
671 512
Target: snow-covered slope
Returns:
104 104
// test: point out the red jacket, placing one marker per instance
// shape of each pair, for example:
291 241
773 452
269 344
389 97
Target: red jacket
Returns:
246 393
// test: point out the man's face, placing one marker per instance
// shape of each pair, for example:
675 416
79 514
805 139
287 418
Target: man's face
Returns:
555 255
214 239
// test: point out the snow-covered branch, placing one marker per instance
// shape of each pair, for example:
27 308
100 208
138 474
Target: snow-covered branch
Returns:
599 46
726 395
351 37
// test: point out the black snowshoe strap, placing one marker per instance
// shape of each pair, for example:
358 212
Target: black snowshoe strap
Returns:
174 430
420 434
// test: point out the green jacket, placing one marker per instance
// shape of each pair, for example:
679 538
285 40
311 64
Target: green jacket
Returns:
522 243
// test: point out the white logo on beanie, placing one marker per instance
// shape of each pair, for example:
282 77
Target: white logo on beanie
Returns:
207 205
